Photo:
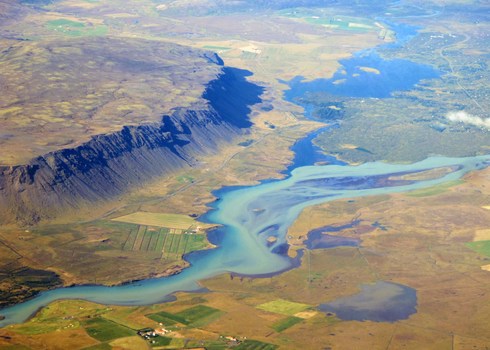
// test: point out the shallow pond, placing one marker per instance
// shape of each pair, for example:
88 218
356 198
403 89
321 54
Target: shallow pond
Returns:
379 302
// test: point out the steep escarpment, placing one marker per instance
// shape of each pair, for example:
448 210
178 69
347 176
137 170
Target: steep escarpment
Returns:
108 165
54 97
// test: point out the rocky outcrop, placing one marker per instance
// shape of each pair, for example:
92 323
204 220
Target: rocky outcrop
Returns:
108 165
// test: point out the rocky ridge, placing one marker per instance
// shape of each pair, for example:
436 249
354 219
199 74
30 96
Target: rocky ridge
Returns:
110 164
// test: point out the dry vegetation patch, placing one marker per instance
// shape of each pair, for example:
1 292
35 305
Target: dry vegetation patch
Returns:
177 221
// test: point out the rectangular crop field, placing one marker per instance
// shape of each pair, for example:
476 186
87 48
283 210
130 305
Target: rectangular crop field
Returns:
210 345
161 341
196 242
482 247
75 28
283 307
167 318
104 330
199 315
151 236
139 238
174 247
154 236
169 241
102 346
255 345
180 245
195 316
286 323
162 317
163 240
176 221
216 48
160 240
62 22
128 245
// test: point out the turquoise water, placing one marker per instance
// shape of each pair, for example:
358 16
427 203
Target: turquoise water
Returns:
250 215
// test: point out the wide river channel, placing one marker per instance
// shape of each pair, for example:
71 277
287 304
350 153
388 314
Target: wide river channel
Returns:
249 216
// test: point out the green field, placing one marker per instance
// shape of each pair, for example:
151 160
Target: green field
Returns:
177 343
66 23
196 242
74 28
161 341
481 247
139 238
196 316
216 48
166 241
105 330
255 345
283 307
286 323
214 345
341 23
177 244
199 315
161 239
330 21
185 179
103 346
432 191
169 243
167 319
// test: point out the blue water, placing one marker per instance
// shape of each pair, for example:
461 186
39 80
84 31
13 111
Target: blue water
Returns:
380 302
350 80
325 241
307 153
404 33
318 239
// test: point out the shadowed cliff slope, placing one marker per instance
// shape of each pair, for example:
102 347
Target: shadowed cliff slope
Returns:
108 165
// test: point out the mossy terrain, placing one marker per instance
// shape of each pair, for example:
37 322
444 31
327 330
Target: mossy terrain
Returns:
481 247
19 282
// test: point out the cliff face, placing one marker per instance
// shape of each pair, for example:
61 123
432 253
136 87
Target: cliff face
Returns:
108 165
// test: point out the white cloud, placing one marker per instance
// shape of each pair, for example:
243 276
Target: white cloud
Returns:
464 117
